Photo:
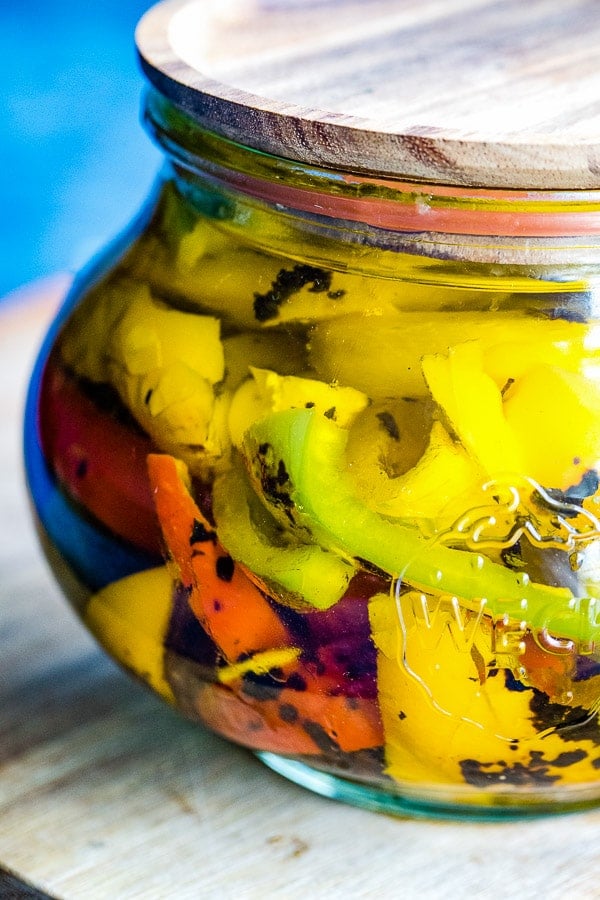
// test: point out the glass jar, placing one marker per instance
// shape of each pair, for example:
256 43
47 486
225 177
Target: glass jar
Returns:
315 455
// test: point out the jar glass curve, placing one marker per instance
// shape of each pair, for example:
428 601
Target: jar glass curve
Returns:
315 455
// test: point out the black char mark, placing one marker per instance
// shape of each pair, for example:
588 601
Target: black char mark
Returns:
569 723
185 636
287 283
276 487
389 423
577 492
315 731
537 771
261 687
288 713
200 534
482 774
225 568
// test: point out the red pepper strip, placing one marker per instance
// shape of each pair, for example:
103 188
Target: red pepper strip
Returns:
244 722
307 721
229 607
351 723
98 460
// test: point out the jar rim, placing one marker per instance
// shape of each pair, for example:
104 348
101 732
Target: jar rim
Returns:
386 202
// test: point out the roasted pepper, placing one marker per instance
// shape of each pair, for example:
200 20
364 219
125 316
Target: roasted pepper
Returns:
309 449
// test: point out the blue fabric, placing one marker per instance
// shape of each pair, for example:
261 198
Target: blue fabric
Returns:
75 161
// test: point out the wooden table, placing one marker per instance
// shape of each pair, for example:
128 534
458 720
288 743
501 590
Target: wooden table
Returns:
106 793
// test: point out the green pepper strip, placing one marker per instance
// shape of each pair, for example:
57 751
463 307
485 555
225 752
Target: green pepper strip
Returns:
313 576
312 449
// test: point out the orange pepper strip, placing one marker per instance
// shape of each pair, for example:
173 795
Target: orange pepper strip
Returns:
228 606
245 722
351 723
550 672
295 722
240 620
332 721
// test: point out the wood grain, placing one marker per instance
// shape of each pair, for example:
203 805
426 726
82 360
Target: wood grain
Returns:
106 793
497 93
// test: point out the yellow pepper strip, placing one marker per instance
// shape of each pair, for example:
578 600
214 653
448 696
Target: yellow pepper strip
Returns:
259 664
450 711
555 416
444 483
473 403
149 352
130 618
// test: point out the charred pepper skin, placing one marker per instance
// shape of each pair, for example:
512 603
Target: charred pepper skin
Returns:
312 450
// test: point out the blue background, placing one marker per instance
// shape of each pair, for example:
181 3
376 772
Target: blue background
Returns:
75 161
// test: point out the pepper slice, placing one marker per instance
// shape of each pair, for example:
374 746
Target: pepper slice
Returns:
301 575
97 459
228 606
305 720
318 496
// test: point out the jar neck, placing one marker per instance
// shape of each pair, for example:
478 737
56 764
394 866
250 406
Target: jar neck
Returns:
472 224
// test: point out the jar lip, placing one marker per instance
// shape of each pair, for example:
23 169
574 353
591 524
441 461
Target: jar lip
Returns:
420 208
389 203
520 110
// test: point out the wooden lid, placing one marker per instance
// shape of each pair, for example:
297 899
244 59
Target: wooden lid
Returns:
490 93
